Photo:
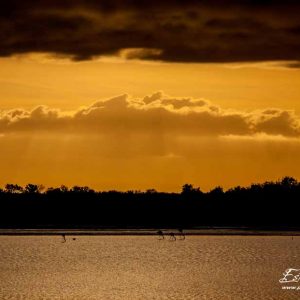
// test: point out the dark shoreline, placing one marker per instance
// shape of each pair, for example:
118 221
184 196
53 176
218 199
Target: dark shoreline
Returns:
270 208
143 232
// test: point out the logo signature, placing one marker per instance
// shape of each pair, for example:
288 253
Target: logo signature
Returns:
290 276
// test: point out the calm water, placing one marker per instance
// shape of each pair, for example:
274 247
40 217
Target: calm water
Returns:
142 267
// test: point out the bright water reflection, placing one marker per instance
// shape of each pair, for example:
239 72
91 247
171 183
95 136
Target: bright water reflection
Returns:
142 267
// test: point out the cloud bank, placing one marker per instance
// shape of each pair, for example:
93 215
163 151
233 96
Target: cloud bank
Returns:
155 115
173 31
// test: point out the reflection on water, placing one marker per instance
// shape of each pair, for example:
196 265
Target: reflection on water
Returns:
143 267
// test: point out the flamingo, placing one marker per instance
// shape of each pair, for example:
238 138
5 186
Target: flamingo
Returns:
161 235
64 238
172 236
181 234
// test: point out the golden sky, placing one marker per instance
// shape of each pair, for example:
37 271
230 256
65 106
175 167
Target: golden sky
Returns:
35 79
207 124
129 112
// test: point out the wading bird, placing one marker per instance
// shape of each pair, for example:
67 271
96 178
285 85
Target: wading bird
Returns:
161 235
64 238
172 236
182 235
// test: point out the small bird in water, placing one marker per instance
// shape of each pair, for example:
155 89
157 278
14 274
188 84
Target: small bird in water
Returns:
182 235
172 236
64 238
161 235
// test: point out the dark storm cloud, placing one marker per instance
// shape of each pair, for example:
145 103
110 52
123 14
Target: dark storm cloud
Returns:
184 31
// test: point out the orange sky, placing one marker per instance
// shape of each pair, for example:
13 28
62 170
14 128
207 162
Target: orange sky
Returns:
65 122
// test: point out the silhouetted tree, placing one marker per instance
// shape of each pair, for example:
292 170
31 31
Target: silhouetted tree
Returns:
270 204
33 188
217 191
13 188
288 181
188 189
64 189
81 189
151 191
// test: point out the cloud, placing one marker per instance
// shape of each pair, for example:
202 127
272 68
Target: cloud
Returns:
174 31
154 115
261 137
277 122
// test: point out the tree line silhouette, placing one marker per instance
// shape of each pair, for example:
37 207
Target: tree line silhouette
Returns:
270 205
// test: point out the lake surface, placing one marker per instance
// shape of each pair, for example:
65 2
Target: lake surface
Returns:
142 267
